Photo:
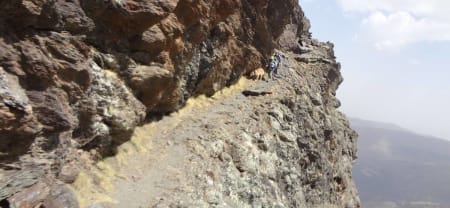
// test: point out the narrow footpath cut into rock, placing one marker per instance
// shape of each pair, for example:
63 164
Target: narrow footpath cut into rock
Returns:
229 150
79 78
160 154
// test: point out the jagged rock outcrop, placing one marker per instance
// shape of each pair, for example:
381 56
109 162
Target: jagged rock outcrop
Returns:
164 51
78 76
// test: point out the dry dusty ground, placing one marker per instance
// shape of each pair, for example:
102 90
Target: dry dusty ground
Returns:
156 161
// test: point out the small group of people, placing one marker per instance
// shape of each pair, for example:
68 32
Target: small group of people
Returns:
274 63
271 68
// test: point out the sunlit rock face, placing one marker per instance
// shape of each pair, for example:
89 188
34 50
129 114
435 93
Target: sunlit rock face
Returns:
77 77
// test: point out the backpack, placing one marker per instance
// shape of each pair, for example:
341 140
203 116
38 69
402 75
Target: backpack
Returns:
273 65
278 57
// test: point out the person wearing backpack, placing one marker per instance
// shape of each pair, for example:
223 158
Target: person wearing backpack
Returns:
273 65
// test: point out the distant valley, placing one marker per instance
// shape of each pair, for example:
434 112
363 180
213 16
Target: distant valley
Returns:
397 168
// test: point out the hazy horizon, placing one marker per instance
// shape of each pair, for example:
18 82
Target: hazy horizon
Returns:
392 126
397 168
393 56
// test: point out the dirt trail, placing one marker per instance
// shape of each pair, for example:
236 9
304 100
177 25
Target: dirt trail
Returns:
164 170
154 160
158 158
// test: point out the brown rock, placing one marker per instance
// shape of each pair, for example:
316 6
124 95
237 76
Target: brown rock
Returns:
30 197
288 40
68 173
171 26
199 46
63 15
19 180
21 13
82 74
152 41
127 18
151 84
52 110
17 122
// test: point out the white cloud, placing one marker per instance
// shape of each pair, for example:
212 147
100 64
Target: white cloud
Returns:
435 9
401 28
391 24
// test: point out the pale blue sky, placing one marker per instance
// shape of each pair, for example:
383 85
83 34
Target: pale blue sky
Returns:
395 57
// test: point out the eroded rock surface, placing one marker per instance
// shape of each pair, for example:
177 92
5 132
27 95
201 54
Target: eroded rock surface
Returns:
258 144
77 77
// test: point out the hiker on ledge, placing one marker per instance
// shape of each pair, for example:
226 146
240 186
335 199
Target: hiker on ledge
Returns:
274 63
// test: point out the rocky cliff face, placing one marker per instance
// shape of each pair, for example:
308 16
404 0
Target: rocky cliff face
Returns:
77 78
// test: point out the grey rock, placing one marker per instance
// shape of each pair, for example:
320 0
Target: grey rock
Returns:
118 109
61 196
18 181
260 162
29 197
18 124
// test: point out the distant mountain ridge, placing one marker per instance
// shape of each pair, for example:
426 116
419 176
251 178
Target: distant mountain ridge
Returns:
375 124
397 168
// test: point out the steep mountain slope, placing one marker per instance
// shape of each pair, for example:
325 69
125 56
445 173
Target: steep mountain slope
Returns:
77 78
232 151
398 168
